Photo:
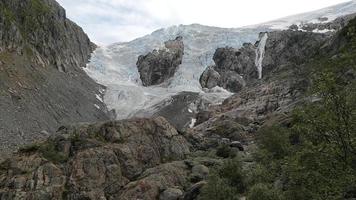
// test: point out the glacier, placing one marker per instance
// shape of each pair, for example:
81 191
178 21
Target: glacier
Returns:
114 66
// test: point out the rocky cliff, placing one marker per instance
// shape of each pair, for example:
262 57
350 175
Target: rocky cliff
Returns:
42 84
160 65
234 68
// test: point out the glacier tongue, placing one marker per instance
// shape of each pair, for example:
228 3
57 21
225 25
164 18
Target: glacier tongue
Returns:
260 53
114 66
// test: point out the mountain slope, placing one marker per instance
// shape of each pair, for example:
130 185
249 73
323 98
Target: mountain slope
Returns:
42 84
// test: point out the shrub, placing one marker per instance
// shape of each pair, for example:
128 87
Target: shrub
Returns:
263 192
232 172
225 151
226 182
48 150
275 140
218 189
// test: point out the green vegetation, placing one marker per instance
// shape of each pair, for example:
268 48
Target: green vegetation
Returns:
314 155
263 192
34 16
225 151
8 15
48 150
226 182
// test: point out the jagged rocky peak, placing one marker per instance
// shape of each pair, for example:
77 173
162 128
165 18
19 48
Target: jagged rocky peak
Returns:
160 65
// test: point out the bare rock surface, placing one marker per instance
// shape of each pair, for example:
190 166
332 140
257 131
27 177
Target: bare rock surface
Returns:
99 161
160 65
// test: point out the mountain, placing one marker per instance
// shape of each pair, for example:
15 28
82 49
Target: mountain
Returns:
215 158
42 82
284 128
115 65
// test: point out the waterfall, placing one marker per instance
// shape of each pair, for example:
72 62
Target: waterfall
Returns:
260 53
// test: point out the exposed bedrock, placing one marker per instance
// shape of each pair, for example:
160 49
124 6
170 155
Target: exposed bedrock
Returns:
160 65
236 68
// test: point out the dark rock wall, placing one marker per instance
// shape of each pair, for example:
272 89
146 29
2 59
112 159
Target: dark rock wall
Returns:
160 65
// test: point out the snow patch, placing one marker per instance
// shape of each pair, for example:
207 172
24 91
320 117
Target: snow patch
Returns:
96 106
192 123
323 31
320 16
98 97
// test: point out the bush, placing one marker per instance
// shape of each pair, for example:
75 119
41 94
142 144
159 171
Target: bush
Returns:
232 172
263 192
225 151
48 150
218 189
225 183
275 140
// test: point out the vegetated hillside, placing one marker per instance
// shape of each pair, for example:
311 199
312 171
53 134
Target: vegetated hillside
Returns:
42 84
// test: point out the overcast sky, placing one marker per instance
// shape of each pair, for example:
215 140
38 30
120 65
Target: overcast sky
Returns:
109 21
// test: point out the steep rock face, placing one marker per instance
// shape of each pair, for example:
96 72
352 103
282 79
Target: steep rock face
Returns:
234 69
160 65
287 48
113 160
42 85
41 27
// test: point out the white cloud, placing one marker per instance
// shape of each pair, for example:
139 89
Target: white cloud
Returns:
108 21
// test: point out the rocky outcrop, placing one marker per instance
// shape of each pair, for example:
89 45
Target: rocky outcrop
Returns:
160 65
42 84
230 67
180 109
234 69
210 78
130 159
324 26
